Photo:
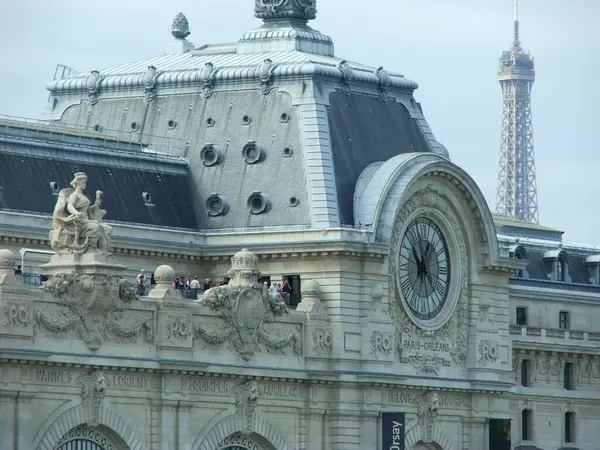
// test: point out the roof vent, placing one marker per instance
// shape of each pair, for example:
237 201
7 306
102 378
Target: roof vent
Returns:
216 205
147 197
253 152
259 203
55 187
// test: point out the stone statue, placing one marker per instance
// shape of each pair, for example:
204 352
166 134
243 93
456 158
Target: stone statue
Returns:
428 405
77 223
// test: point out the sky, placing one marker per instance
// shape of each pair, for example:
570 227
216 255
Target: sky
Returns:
450 47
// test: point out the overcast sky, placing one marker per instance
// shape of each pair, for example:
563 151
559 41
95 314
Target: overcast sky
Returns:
450 47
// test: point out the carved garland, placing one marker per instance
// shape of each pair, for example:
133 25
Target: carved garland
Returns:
456 329
242 339
88 311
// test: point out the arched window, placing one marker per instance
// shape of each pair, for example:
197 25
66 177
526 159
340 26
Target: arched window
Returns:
527 425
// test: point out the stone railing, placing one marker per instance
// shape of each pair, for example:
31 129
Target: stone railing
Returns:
569 337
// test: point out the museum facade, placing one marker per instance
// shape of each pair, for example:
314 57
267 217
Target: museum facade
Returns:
423 322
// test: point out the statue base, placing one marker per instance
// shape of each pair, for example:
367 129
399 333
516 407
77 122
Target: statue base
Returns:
89 263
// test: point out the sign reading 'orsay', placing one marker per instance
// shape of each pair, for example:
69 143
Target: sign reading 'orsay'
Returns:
392 431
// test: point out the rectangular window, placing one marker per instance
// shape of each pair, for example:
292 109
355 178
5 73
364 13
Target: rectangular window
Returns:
568 376
291 288
563 320
527 425
499 434
522 316
526 373
569 428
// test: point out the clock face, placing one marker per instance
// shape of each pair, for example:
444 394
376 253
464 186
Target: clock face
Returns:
424 269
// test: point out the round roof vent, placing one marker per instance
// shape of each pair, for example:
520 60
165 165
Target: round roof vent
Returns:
211 155
253 152
259 203
216 205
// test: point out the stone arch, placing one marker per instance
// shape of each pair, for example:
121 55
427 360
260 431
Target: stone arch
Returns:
231 424
73 414
384 190
415 434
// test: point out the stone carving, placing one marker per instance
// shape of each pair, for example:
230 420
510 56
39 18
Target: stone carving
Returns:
285 9
264 72
89 434
238 441
93 390
93 309
347 75
596 371
382 343
149 80
428 407
383 81
323 340
207 76
246 308
179 327
77 225
18 314
488 352
93 83
246 400
451 338
181 27
555 366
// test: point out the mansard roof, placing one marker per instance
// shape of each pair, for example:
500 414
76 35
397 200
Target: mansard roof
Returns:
37 161
316 120
543 246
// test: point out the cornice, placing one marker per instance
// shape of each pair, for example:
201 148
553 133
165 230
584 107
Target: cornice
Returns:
233 74
247 374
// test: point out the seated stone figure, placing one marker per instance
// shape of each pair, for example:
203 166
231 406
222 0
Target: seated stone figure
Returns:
77 223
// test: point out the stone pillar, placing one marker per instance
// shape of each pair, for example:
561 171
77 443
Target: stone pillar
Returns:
474 433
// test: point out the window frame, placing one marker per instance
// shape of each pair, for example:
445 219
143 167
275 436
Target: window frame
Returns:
567 320
570 426
527 425
569 376
526 381
525 310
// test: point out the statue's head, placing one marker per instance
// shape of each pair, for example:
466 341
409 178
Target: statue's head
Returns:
79 180
433 401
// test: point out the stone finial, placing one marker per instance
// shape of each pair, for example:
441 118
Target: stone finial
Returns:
270 10
181 27
164 291
7 264
7 260
311 301
244 268
164 275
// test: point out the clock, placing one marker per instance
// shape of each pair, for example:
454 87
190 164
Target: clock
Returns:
424 269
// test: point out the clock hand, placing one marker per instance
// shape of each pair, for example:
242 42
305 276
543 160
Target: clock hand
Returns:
419 262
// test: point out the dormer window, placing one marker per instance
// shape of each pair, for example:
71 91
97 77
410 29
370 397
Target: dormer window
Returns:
518 252
593 266
556 263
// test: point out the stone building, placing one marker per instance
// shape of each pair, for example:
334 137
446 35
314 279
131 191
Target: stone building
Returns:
424 321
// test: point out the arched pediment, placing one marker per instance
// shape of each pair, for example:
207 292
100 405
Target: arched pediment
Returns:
384 190
228 425
73 414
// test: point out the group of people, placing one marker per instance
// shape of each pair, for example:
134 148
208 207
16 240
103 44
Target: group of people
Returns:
191 288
